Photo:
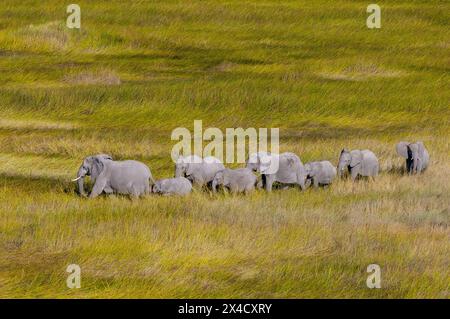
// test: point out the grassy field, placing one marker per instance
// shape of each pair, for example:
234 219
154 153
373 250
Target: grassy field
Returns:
136 71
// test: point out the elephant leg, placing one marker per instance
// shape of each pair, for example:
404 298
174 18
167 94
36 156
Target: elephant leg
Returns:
260 183
135 193
108 190
269 182
302 186
354 174
307 183
147 188
99 185
316 183
419 166
301 181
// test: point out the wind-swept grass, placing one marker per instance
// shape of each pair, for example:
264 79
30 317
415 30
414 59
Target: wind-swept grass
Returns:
136 71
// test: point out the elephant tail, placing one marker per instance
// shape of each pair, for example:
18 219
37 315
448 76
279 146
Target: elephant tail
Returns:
152 180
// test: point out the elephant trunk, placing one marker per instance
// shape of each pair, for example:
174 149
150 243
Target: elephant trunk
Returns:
341 169
415 165
80 180
214 186
302 176
178 172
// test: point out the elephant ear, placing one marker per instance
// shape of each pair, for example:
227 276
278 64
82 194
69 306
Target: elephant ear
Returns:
308 169
290 162
189 168
402 149
356 158
421 149
218 177
225 178
97 168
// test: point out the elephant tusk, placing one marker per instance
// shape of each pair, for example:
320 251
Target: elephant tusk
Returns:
76 179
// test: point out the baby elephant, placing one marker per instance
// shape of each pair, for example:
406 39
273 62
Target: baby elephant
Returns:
172 186
416 155
358 163
320 173
237 180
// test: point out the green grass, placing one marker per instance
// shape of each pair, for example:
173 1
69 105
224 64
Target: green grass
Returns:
135 72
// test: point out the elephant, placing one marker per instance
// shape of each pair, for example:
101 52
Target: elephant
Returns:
109 176
358 163
285 168
199 171
417 157
172 186
237 180
320 173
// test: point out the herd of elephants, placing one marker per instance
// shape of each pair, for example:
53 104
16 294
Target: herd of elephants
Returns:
135 178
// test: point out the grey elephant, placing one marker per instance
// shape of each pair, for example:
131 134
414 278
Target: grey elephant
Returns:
109 176
285 168
236 180
200 171
320 173
172 186
358 163
417 157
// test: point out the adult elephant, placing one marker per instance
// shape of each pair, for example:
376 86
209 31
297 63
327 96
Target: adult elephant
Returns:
358 163
200 171
417 157
285 168
109 176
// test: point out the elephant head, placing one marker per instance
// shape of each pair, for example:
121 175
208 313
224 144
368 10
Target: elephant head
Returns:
308 170
349 160
156 188
414 154
184 165
92 166
344 161
219 179
260 162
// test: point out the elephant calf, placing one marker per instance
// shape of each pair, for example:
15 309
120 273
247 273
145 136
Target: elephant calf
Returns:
200 171
417 157
172 186
320 173
358 163
237 180
109 176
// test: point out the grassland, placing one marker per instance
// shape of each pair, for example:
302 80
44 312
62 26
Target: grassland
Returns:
136 71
